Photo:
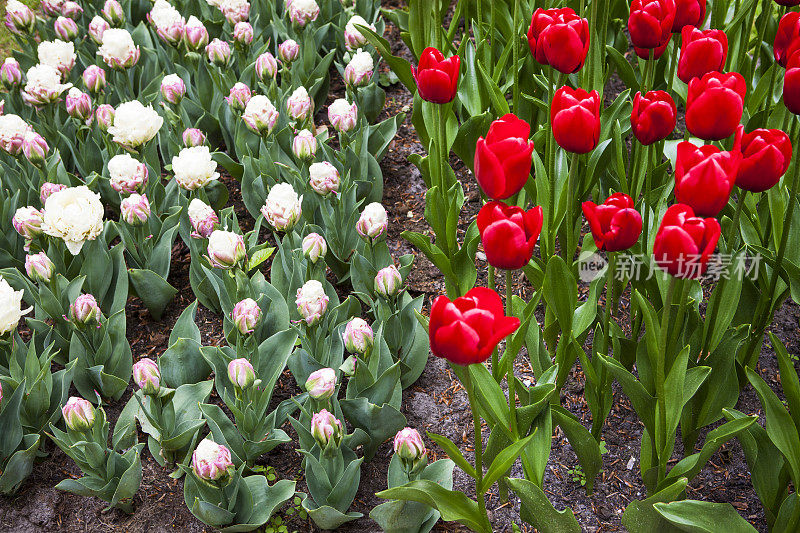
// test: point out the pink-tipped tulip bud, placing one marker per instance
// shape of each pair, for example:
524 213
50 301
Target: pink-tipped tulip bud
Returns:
49 188
288 51
323 178
235 11
241 373
326 429
10 74
219 52
147 376
246 315
388 282
28 222
358 71
410 448
135 209
353 38
304 145
225 249
301 12
126 174
193 137
314 247
104 114
35 149
260 116
173 89
212 462
373 221
321 383
283 207
195 35
51 8
39 267
357 336
243 33
71 10
203 219
299 105
348 368
79 104
84 311
97 27
94 78
66 29
266 67
238 97
78 414
343 115
20 18
312 302
113 13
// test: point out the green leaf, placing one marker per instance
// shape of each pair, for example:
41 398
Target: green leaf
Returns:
453 453
641 517
695 516
586 447
502 463
399 66
540 512
453 505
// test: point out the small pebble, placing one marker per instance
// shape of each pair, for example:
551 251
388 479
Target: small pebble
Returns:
631 462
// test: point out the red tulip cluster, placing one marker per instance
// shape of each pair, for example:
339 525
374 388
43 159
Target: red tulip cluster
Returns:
650 25
503 158
615 224
559 38
575 119
787 54
704 177
684 242
508 234
653 117
437 77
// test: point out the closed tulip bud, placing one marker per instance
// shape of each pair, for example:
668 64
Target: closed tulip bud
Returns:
766 155
321 383
238 97
575 119
701 52
49 188
301 12
283 207
51 8
326 429
373 221
35 148
684 242
312 302
787 38
246 316
288 51
437 77
243 33
653 117
78 414
791 85
19 17
39 267
343 115
323 178
467 330
84 311
79 104
235 11
299 105
704 177
357 336
241 373
212 462
66 29
559 38
94 78
203 219
714 105
388 282
688 13
410 448
104 114
193 137
225 249
260 116
135 209
314 247
219 52
266 67
28 222
615 224
147 376
71 9
503 158
509 234
195 35
113 13
358 71
10 74
173 89
97 27
353 38
650 25
304 145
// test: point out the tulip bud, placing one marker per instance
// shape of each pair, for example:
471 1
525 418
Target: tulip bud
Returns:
321 383
97 27
239 97
84 311
373 221
39 267
94 78
203 219
104 114
348 368
410 448
246 315
49 188
326 429
28 222
352 37
126 174
135 209
113 13
283 207
304 145
299 105
312 302
19 17
388 282
219 52
357 336
358 72
266 67
78 414
147 376
288 51
193 137
71 9
260 116
212 461
559 38
66 29
225 249
437 77
243 33
314 247
51 8
502 174
235 11
35 148
323 178
576 136
173 89
241 373
10 74
79 104
195 34
343 115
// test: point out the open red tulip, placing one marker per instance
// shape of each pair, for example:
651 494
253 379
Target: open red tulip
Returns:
509 234
437 77
615 224
684 242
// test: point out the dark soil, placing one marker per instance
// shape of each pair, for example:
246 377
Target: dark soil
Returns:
436 403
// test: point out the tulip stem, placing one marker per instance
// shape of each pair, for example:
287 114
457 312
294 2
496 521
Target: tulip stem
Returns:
512 393
603 388
476 425
661 357
569 220
766 15
732 240
515 54
744 41
551 178
769 100
673 65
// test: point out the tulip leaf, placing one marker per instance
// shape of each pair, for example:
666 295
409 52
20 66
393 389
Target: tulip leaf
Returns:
789 379
695 516
453 505
586 447
503 461
538 511
401 67
453 453
641 517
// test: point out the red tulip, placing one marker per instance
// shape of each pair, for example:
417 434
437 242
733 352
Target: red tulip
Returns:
714 105
436 77
615 224
575 119
766 155
787 39
650 22
701 52
467 330
653 117
688 13
559 38
509 234
704 177
684 242
791 85
503 158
